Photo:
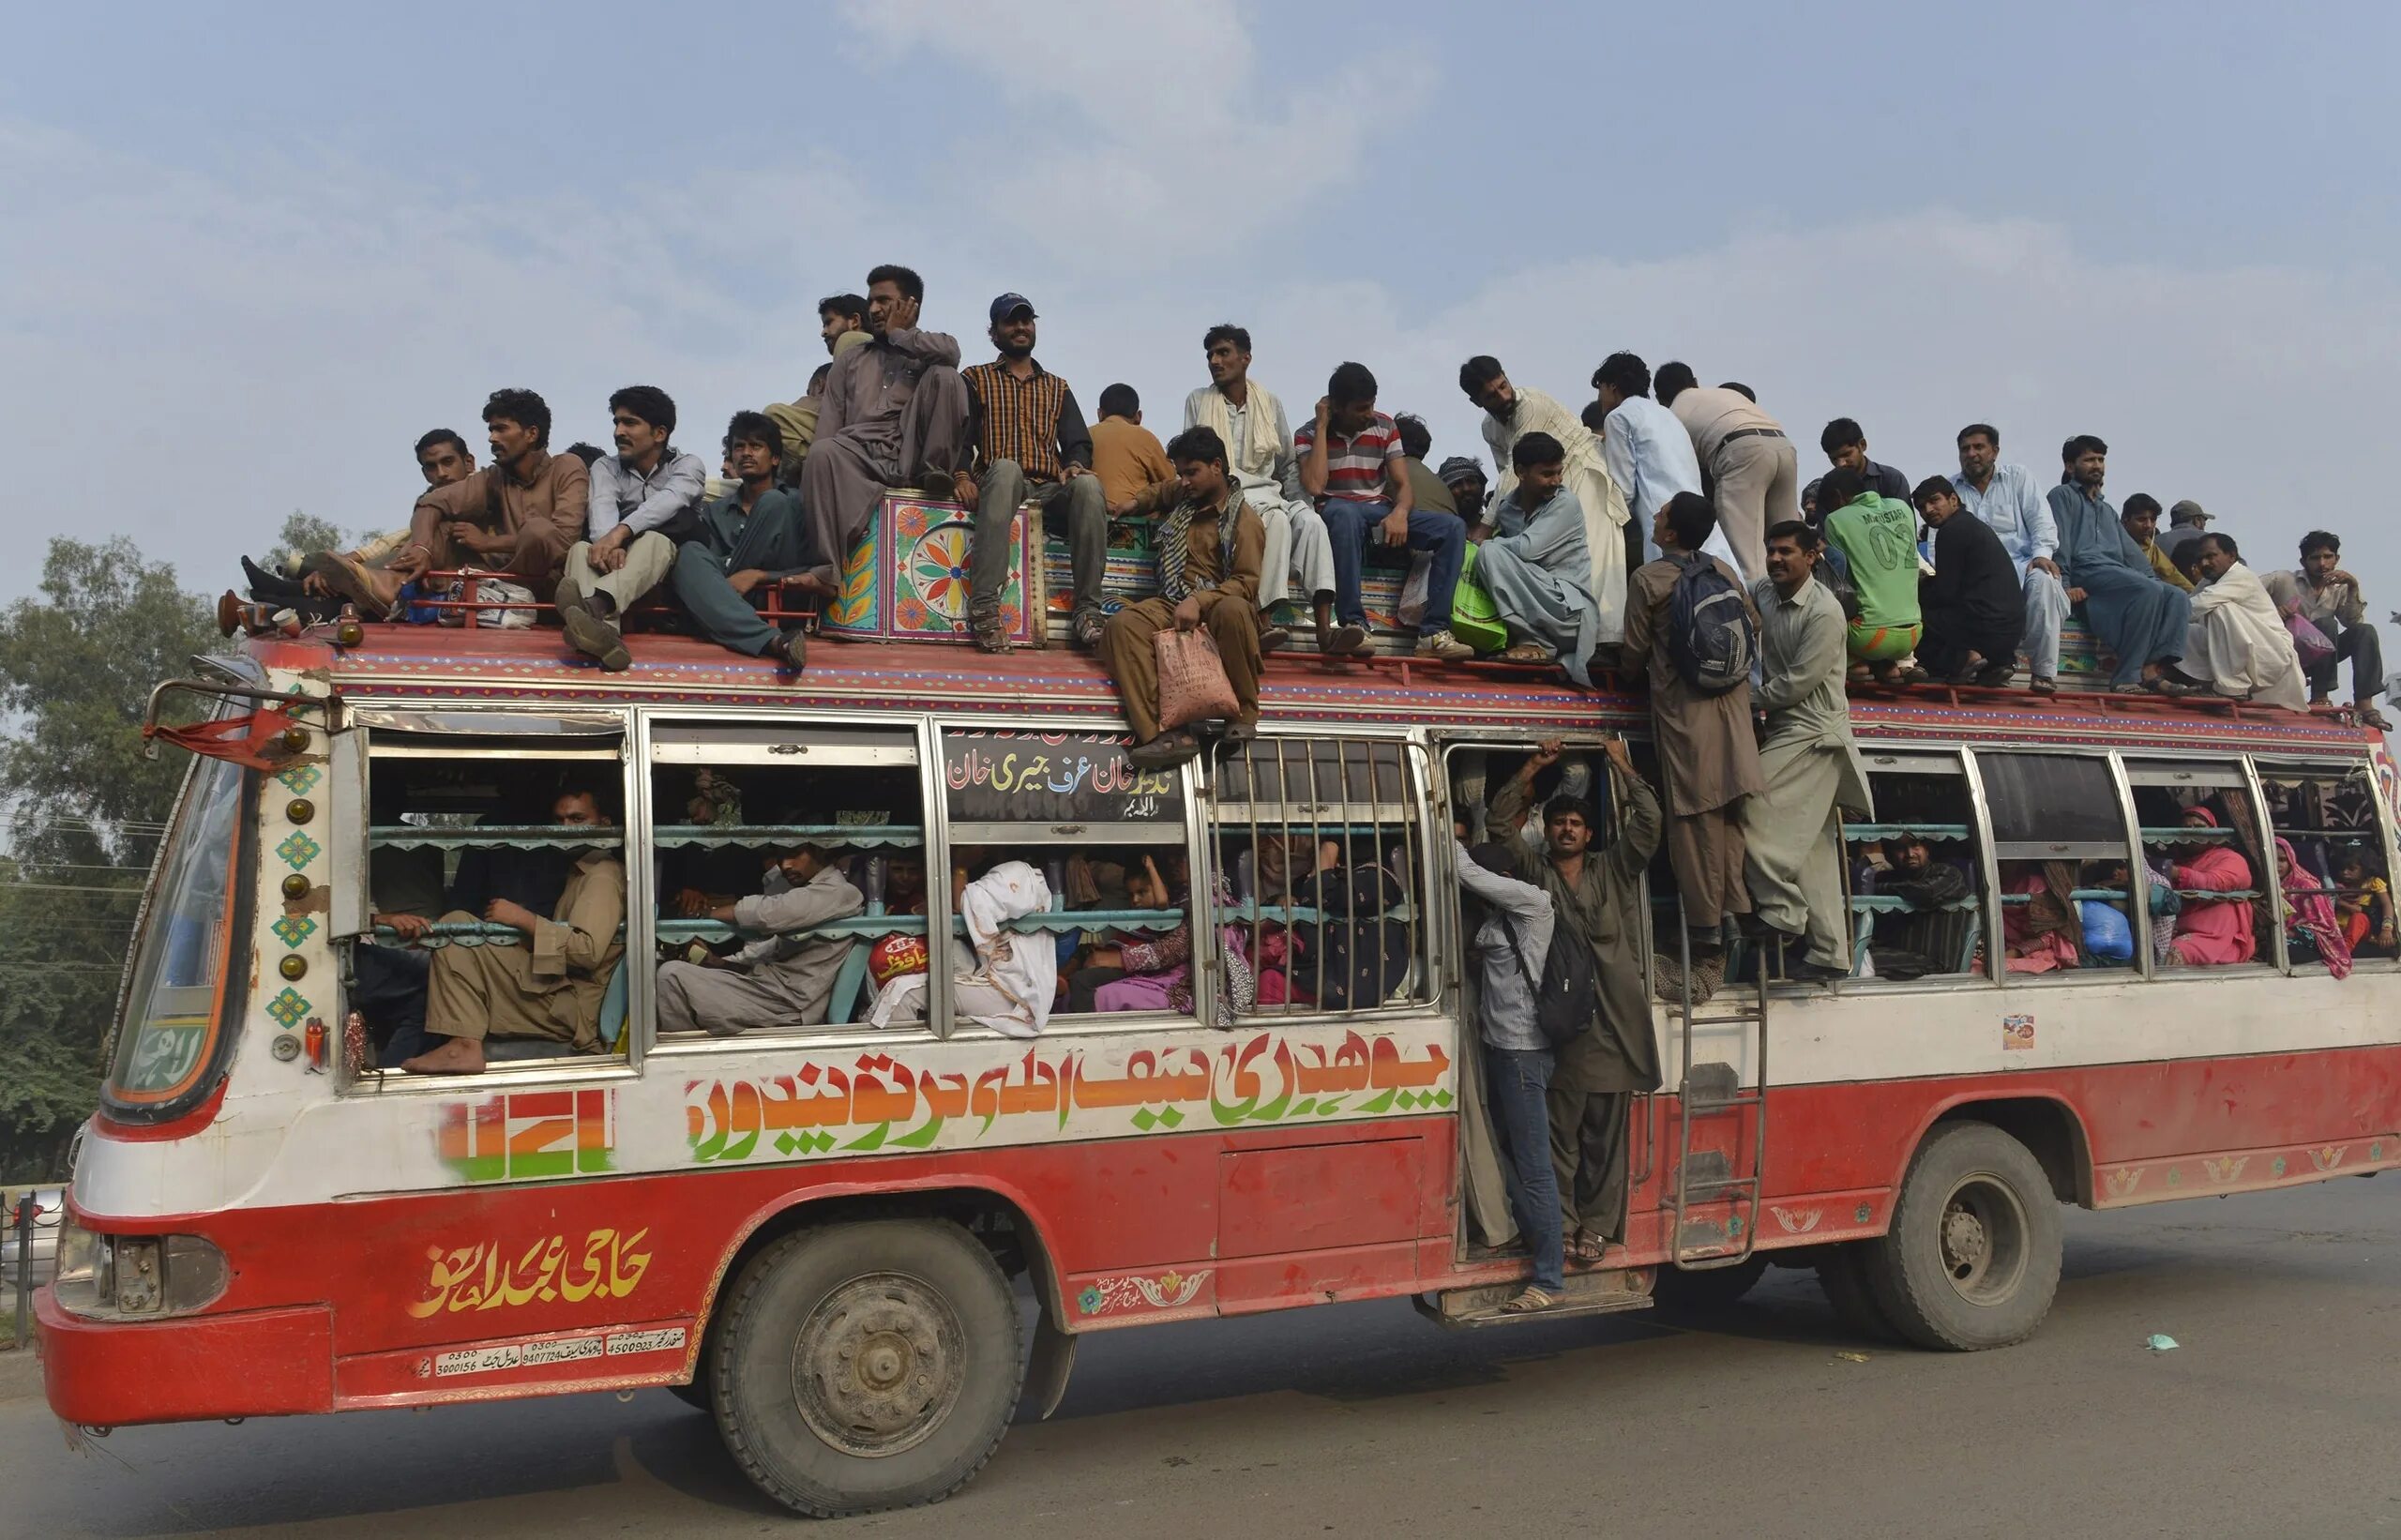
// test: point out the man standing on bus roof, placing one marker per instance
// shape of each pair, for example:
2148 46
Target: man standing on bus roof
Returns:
645 498
1510 413
551 987
515 517
2005 498
1707 756
894 414
1753 471
1648 453
1352 460
1249 420
749 540
1032 443
2141 620
1210 546
1791 833
783 979
1599 897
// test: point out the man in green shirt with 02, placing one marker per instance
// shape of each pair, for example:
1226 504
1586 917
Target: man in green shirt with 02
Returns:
1877 537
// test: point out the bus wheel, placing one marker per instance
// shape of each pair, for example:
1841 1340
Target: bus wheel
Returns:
1710 1287
1972 1258
1842 1274
867 1366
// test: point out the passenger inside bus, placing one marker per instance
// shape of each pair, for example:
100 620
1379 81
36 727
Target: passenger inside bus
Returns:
404 896
1929 935
2211 933
2312 933
549 989
784 977
2363 903
2043 932
1156 975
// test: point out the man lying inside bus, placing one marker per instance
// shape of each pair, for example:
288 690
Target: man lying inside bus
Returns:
549 989
783 978
1210 550
2211 933
1156 975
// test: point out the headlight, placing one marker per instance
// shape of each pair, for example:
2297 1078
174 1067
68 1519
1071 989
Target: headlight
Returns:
131 1276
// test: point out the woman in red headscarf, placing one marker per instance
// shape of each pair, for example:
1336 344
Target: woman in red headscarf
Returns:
2212 932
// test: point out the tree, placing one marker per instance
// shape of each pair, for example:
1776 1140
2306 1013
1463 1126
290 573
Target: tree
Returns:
303 533
84 813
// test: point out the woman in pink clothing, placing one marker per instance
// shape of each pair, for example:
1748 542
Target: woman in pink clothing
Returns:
2039 936
2212 932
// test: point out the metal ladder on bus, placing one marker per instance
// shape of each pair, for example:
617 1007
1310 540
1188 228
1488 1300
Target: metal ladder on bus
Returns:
1714 1088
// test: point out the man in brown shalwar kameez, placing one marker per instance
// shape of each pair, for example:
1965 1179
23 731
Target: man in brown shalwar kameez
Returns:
1599 895
552 987
1707 753
1211 546
894 414
515 517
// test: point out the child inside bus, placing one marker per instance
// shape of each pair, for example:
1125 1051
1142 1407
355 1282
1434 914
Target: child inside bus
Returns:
2364 905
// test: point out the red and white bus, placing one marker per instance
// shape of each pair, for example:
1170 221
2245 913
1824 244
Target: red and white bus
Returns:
814 1232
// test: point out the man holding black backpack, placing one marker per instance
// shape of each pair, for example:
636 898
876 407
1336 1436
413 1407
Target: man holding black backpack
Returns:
1597 893
1688 620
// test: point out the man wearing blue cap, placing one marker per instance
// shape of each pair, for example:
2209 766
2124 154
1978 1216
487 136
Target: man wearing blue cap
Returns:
1031 444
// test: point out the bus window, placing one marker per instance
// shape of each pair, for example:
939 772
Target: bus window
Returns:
791 878
1320 840
2334 884
1070 871
496 879
174 1009
2058 836
1916 872
2203 864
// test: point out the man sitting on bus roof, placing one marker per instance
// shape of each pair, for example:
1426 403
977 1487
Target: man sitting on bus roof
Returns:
2211 933
2237 643
894 414
1792 842
2141 620
1973 606
1352 460
1510 413
783 979
1210 546
645 498
1031 444
2322 594
841 322
549 989
1250 421
1536 567
515 517
749 540
2004 497
1877 535
1599 897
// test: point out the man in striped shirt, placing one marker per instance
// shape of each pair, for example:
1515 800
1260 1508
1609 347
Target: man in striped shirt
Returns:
1353 463
1031 446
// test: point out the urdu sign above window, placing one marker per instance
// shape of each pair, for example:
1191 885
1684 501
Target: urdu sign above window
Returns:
1053 777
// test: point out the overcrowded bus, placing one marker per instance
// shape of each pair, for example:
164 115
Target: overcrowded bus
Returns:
820 1234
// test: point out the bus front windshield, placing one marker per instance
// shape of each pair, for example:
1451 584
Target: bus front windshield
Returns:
173 1007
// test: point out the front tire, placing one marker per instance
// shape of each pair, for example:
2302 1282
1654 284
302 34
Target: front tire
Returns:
1972 1258
867 1366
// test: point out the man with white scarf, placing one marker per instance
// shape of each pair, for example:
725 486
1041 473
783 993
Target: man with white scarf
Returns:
1258 445
1015 975
2237 643
1511 412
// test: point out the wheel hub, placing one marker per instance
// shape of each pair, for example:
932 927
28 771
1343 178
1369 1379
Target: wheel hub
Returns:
1964 1243
877 1366
1982 1240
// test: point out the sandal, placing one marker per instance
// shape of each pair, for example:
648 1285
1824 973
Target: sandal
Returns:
1164 752
1533 1297
990 637
2373 718
1587 1248
1529 652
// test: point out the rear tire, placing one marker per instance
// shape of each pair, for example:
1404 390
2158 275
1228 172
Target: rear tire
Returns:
867 1366
695 1395
1709 1288
1972 1258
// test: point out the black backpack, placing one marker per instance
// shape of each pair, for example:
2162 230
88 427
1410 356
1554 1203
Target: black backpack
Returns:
1711 638
1567 996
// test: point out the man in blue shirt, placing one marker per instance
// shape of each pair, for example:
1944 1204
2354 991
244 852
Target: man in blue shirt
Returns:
2140 619
1647 452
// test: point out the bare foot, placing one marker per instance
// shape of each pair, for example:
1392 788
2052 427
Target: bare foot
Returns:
456 1056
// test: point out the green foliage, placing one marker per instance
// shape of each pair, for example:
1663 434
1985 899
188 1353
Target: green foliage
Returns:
304 533
84 809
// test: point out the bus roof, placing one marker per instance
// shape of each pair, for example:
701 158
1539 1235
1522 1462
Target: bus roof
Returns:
527 665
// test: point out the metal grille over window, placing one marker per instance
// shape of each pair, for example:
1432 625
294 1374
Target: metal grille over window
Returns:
1322 840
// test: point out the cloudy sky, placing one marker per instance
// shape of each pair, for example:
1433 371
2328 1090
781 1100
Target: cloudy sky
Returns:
248 253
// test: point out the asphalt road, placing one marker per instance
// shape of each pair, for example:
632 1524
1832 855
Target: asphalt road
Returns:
2277 1416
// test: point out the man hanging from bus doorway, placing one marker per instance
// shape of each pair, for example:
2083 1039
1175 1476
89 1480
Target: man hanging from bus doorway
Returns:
1599 897
550 988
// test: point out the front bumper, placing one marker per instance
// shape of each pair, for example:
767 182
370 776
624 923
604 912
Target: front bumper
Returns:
186 1368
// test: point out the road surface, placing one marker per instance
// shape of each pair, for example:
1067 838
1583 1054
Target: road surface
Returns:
2277 1415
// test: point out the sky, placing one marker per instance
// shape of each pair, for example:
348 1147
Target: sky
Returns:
248 253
